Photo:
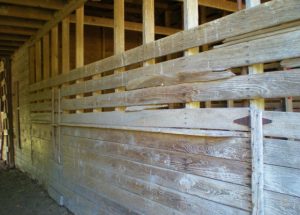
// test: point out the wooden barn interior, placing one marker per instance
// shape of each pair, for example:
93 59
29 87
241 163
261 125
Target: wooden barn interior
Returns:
154 106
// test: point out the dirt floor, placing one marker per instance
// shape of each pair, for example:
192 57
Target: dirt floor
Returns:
19 195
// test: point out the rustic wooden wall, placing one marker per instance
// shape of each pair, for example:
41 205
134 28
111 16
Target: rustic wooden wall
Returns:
151 158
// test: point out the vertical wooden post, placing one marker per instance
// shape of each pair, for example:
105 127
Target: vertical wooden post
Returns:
79 62
54 51
66 45
257 161
31 51
119 37
204 47
80 37
148 25
191 20
99 75
46 56
256 108
38 61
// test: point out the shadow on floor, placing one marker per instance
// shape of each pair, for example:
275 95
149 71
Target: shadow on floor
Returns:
19 195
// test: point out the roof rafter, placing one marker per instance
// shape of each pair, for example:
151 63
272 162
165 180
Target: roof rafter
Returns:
16 30
26 13
49 4
9 21
55 19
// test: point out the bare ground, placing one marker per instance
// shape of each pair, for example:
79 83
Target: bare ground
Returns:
19 195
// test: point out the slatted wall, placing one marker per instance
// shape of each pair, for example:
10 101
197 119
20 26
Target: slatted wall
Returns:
152 158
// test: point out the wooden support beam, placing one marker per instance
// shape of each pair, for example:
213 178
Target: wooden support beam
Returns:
119 37
52 4
17 30
191 20
79 61
131 26
256 107
79 37
26 13
46 57
38 61
66 45
7 48
31 51
9 21
148 25
218 4
257 160
55 19
7 37
10 43
54 51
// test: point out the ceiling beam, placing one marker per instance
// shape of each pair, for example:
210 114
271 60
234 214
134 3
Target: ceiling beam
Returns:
55 19
8 37
48 4
132 26
6 53
10 43
20 22
218 4
7 48
17 30
26 13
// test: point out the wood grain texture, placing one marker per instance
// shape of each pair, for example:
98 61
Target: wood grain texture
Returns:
221 169
282 180
280 204
177 118
269 85
207 33
257 178
282 152
284 124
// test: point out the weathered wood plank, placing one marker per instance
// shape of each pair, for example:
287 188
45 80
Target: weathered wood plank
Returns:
139 78
282 152
41 95
207 33
284 124
221 169
280 204
177 118
45 106
223 147
290 63
185 203
257 178
282 180
269 85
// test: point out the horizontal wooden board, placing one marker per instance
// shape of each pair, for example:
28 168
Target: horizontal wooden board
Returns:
93 190
156 75
282 179
185 203
280 204
221 118
41 106
221 169
223 147
290 63
267 85
197 67
41 117
208 33
40 95
284 124
218 191
282 152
